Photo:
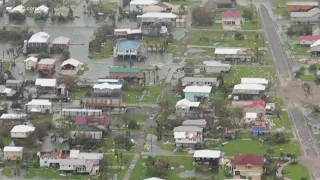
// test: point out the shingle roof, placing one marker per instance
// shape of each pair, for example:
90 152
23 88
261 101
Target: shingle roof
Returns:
124 70
246 159
231 14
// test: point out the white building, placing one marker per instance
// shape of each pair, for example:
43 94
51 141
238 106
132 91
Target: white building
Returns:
20 9
42 10
200 81
13 119
106 88
169 19
109 81
43 106
252 89
195 93
261 81
40 39
216 67
310 17
185 108
202 123
234 54
31 63
139 5
70 67
187 136
251 116
21 131
81 112
47 86
12 153
315 47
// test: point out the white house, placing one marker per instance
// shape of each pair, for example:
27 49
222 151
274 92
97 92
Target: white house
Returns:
70 67
46 86
169 19
31 63
81 112
139 5
216 67
86 131
42 10
200 81
106 88
40 39
232 18
43 106
262 81
12 153
207 157
187 136
254 89
21 131
185 108
195 93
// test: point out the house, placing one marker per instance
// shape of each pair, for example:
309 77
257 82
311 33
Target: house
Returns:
200 81
109 81
308 40
13 119
43 106
207 157
247 165
12 153
52 159
139 5
195 93
232 18
37 43
46 66
100 122
161 7
62 12
127 73
70 67
129 49
21 131
188 136
81 112
146 19
7 92
258 106
216 67
234 54
197 122
186 108
225 3
315 47
31 63
128 33
60 43
102 102
248 91
261 81
85 131
46 86
18 9
106 88
310 17
41 10
301 6
14 84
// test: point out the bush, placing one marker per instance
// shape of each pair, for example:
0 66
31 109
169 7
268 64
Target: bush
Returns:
239 36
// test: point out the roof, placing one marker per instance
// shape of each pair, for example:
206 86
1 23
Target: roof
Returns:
262 81
61 40
158 15
200 89
153 178
230 51
80 120
231 14
251 115
207 154
74 153
21 9
90 156
62 11
199 79
187 129
258 128
258 87
72 162
215 63
310 13
309 38
254 104
84 127
124 70
13 81
179 135
246 159
13 116
317 43
109 81
47 61
107 86
72 62
42 9
22 129
124 45
82 110
46 82
224 1
197 122
41 102
129 31
31 58
142 2
40 37
304 3
12 149
187 103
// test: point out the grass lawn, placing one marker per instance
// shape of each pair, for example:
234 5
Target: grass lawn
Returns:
308 77
131 97
152 94
172 98
152 130
299 49
284 122
83 70
6 64
7 172
236 73
318 137
296 171
217 95
6 141
209 52
128 117
51 173
280 6
139 172
109 146
112 160
106 51
248 25
184 2
79 94
217 26
237 147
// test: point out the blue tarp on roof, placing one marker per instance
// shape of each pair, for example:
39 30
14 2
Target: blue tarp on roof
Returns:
129 45
257 129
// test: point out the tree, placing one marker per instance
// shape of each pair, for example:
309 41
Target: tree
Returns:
125 85
202 17
133 124
220 79
238 36
282 155
43 55
69 81
248 14
66 54
313 68
294 157
181 11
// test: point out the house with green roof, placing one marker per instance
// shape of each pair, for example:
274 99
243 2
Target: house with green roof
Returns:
126 73
85 130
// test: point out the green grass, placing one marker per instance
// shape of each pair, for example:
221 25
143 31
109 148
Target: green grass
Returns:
284 122
79 94
296 171
236 73
237 147
51 173
106 51
7 172
318 137
217 26
152 130
131 97
248 25
112 160
6 64
308 77
128 117
152 94
82 71
6 141
297 49
172 98
280 6
184 2
109 146
139 172
217 95
209 52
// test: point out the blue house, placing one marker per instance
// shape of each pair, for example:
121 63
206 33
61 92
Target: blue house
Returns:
130 49
258 129
197 93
